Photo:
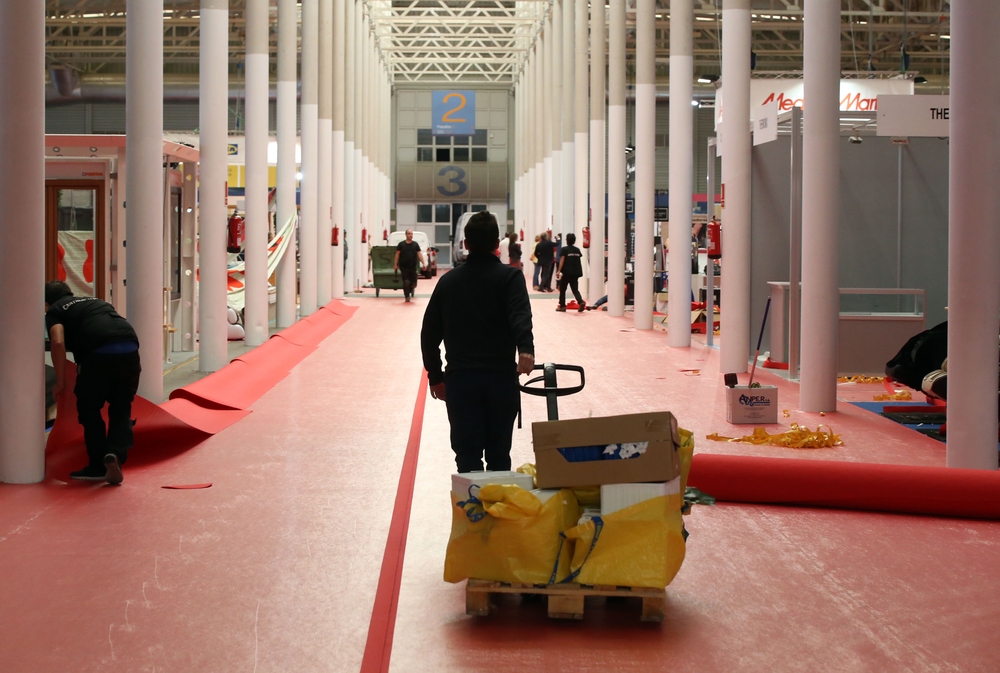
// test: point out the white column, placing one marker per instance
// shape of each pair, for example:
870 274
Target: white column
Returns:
974 238
22 242
616 162
144 163
595 205
338 76
360 250
287 210
213 122
361 113
681 169
734 352
257 135
547 109
581 150
821 209
645 160
324 201
309 131
556 85
568 101
539 124
348 236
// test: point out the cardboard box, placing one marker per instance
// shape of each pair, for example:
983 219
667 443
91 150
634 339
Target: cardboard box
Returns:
616 497
461 482
658 462
752 405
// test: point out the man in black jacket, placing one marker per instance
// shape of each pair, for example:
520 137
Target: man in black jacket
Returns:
482 313
106 350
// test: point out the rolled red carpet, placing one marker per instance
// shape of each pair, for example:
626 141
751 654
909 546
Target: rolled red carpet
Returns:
906 489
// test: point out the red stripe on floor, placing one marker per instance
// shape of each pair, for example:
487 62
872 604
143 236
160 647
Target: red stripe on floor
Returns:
378 649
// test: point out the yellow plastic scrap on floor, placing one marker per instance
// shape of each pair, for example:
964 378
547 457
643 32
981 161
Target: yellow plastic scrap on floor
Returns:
799 437
639 546
506 534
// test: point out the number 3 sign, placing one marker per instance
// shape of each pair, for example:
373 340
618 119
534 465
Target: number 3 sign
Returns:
453 112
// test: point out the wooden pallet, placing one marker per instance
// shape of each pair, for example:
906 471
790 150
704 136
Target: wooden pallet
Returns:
565 601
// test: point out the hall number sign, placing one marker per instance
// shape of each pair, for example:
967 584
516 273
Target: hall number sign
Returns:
453 112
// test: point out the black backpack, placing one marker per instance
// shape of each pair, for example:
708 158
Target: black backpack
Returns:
920 356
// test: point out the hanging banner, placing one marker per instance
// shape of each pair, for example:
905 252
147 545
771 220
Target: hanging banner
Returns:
453 113
917 116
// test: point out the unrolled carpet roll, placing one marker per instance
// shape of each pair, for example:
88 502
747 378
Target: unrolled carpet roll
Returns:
908 489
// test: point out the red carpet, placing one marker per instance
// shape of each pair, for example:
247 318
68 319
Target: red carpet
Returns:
907 489
204 408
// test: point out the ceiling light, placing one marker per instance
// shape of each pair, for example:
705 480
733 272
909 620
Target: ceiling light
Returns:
298 176
694 103
707 79
946 37
703 18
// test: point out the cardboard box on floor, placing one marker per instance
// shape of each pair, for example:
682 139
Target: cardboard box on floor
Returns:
758 406
660 462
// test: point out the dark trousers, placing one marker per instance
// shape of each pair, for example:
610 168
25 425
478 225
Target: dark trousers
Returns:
546 283
409 280
111 379
482 406
573 284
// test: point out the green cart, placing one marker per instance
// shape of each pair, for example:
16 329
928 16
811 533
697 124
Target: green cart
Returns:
383 277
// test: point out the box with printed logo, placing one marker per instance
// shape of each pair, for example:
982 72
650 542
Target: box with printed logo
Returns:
752 405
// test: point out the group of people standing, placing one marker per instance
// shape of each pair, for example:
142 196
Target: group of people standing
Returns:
565 261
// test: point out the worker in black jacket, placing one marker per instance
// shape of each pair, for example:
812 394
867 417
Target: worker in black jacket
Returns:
482 313
106 350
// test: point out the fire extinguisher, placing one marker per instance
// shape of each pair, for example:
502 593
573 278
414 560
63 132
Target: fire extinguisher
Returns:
714 239
237 233
522 234
586 237
364 235
336 236
385 234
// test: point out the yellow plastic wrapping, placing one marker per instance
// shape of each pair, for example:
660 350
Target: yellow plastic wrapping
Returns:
685 452
515 539
639 546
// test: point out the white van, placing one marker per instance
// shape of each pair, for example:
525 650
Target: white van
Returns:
460 251
421 239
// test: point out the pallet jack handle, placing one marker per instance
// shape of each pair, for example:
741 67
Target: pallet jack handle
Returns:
551 390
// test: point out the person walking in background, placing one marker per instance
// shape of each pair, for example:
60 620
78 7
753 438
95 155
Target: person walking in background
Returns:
106 350
503 252
407 255
545 252
570 271
482 313
514 251
536 274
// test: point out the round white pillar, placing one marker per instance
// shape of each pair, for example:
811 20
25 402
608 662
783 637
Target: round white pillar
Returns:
255 314
681 170
973 236
309 184
144 198
616 166
360 254
349 236
568 101
556 121
213 123
734 352
820 207
645 159
581 150
339 77
22 247
324 173
595 209
287 209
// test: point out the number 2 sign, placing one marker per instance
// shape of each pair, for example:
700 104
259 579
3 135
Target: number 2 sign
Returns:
453 112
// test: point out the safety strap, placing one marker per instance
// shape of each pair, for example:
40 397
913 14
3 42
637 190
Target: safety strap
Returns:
473 507
598 527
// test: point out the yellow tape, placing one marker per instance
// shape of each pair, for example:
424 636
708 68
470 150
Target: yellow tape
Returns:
799 437
860 379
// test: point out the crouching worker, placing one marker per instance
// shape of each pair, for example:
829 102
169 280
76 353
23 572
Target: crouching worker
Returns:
482 313
106 350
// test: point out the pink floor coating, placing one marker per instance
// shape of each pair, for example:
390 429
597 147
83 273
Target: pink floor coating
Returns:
275 567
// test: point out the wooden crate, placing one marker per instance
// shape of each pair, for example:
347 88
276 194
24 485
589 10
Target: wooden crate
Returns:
566 601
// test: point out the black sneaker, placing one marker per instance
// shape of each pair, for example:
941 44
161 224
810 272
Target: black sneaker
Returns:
113 473
90 473
561 309
582 307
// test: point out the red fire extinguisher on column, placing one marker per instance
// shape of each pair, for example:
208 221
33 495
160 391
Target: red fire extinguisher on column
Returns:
385 234
714 239
237 233
336 236
586 237
522 234
364 235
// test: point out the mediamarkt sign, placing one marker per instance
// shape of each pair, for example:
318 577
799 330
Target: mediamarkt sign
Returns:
856 95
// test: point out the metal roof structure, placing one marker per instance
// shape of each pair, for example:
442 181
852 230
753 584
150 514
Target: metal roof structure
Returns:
487 41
